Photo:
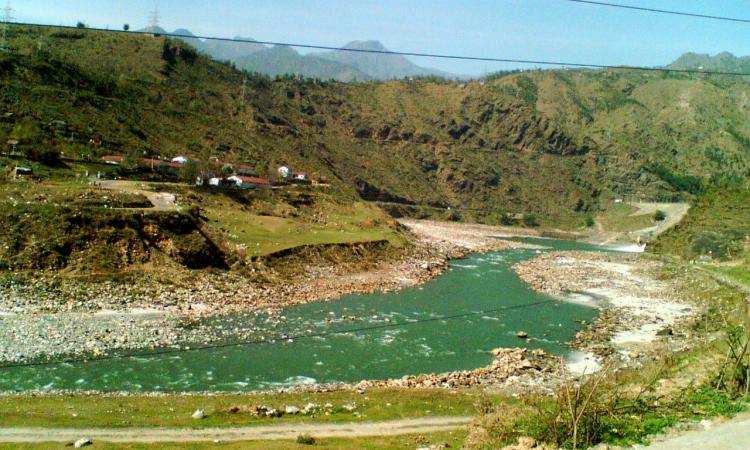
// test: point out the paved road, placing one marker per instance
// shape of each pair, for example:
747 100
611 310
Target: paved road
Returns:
266 432
162 201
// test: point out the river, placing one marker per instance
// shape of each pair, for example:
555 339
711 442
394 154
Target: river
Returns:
403 332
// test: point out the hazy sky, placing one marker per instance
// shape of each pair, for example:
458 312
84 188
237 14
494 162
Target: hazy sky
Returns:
519 29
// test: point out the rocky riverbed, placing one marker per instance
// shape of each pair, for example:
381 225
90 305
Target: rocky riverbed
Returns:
52 316
642 308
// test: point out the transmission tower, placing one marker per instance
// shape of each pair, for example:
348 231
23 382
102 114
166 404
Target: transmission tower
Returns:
153 18
6 19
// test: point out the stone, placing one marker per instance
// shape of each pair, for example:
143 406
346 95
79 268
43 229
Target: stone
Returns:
665 332
198 414
291 410
83 442
522 334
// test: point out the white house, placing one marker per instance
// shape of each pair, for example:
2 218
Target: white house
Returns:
214 181
179 160
300 176
284 172
234 179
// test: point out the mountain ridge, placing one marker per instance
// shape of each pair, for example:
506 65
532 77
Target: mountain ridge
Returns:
340 65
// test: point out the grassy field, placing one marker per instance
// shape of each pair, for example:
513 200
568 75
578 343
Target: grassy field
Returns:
453 439
325 222
79 411
619 217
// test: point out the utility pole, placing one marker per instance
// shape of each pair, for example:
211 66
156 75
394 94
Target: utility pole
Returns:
7 18
244 91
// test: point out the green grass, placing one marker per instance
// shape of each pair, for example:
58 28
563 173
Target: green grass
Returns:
454 439
79 411
334 224
619 217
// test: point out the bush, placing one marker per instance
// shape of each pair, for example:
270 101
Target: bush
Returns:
734 376
686 183
530 220
659 215
47 156
305 439
588 221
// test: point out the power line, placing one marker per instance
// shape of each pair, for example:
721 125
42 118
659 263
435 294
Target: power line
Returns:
266 341
561 64
662 11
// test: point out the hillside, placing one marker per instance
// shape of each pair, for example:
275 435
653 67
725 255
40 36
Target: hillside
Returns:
548 143
717 230
281 60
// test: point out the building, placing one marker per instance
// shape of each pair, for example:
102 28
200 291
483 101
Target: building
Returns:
284 172
300 176
21 171
113 159
180 160
243 169
248 182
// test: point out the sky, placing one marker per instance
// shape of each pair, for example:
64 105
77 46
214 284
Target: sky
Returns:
557 30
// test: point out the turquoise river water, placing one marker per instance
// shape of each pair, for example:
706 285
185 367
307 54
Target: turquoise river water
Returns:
424 343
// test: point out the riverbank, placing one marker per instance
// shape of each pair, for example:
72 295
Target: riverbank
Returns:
52 316
643 309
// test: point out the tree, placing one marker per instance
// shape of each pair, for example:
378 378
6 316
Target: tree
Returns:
659 215
126 27
80 25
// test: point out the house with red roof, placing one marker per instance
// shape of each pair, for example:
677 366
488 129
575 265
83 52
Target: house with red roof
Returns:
113 159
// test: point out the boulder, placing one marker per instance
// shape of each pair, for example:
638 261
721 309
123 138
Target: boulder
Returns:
198 414
83 442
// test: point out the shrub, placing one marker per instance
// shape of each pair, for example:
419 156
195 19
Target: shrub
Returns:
305 439
588 221
660 215
734 376
530 220
47 156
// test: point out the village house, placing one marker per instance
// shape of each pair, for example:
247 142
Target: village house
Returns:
248 182
113 159
21 171
284 172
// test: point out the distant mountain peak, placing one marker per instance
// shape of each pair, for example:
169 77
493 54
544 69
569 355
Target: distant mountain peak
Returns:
155 30
281 59
721 62
366 45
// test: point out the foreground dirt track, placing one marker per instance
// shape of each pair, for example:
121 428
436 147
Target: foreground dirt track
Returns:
267 432
731 435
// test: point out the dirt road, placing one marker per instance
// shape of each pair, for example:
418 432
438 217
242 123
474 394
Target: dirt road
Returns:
162 201
732 435
674 213
265 432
